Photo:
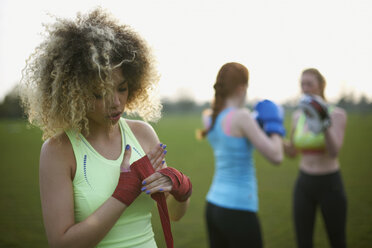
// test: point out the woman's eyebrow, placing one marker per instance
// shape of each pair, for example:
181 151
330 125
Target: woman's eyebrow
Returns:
123 82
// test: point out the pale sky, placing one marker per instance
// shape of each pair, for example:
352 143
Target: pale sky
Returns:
192 39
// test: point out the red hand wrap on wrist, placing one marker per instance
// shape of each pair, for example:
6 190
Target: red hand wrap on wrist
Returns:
140 170
128 188
182 187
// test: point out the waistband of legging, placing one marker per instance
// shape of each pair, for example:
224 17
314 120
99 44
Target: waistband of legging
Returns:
331 174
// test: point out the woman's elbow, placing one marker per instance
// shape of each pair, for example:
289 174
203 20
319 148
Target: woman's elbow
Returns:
63 242
278 160
56 244
175 218
333 151
178 210
333 154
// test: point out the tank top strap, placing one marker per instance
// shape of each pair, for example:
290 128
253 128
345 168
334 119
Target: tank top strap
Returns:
81 145
80 153
132 140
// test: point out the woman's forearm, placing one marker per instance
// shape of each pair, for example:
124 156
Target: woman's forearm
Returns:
333 147
176 209
93 229
276 153
334 135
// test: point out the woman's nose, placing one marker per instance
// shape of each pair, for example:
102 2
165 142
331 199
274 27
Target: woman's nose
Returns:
116 100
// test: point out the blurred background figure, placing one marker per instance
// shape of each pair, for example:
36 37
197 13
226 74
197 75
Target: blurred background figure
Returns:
317 133
232 131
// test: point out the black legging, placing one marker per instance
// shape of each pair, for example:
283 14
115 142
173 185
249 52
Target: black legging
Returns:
229 228
327 191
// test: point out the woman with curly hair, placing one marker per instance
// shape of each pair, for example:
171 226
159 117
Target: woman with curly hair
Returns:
94 163
232 131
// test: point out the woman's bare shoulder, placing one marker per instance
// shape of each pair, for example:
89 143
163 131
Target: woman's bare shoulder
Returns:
339 111
59 144
144 133
339 115
243 114
57 153
138 126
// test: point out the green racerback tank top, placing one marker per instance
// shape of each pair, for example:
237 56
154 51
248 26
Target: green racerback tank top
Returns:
94 182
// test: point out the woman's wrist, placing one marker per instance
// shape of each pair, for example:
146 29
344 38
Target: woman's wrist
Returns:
181 184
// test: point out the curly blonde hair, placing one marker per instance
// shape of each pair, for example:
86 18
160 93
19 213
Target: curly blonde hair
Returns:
76 61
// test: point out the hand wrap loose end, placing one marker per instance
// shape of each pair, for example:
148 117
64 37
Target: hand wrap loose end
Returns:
129 187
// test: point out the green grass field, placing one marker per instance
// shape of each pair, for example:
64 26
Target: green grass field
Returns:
20 211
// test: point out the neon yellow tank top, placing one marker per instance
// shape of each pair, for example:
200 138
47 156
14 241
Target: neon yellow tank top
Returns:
305 139
94 182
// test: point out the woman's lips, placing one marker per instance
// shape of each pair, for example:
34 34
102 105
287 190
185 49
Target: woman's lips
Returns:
115 116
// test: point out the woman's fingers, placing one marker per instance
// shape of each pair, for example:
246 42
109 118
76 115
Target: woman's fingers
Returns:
125 163
157 189
151 178
156 183
157 165
156 155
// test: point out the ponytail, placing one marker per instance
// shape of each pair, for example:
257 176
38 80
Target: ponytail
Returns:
230 76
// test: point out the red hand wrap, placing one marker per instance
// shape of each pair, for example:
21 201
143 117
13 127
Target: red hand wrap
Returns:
140 170
128 188
182 187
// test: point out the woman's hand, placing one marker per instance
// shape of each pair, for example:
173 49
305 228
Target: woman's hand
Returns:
169 180
157 183
156 156
289 149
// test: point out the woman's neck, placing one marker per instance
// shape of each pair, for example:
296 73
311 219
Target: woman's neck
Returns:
106 132
233 102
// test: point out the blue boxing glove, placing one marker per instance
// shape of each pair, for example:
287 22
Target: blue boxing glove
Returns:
270 117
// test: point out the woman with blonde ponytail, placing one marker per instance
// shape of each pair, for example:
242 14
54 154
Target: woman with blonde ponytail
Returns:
233 132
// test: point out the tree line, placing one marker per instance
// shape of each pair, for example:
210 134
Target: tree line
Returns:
10 107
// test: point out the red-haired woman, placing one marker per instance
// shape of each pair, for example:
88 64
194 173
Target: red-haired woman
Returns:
233 133
319 182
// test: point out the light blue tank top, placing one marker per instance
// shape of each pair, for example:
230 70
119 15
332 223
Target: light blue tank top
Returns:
234 183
